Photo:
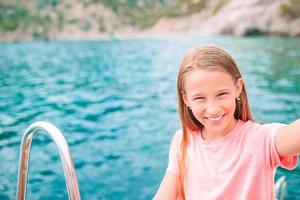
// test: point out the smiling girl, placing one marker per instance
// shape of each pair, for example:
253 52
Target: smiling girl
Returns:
221 152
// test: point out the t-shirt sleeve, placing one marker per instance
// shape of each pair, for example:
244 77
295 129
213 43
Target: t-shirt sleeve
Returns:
287 162
174 150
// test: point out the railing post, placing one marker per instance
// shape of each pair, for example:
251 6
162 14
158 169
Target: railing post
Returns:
65 156
280 188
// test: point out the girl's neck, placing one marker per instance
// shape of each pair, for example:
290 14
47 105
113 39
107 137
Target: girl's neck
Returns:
210 135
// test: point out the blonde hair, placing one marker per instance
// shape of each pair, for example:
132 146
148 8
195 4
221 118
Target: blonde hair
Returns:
213 58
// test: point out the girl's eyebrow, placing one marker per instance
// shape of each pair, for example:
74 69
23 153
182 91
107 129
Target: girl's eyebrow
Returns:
220 91
223 90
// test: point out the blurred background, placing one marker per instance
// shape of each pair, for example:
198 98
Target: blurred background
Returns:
104 72
98 19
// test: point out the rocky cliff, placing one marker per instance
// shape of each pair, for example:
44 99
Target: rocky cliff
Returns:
237 17
99 19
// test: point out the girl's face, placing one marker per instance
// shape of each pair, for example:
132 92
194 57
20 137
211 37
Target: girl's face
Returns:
211 95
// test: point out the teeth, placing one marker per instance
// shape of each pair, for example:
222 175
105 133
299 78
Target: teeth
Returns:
215 119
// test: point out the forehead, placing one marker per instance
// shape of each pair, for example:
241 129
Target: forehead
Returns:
205 82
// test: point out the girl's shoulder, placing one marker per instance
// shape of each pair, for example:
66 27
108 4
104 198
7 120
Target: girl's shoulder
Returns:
177 137
259 124
261 128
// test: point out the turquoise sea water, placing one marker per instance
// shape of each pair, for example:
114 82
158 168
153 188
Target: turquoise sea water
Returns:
115 102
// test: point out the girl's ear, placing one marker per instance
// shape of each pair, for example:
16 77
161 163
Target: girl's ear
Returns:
184 97
239 86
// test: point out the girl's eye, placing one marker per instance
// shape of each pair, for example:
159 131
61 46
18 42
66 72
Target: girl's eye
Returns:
199 98
223 94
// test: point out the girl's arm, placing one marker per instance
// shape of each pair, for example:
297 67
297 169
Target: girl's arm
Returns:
287 140
167 188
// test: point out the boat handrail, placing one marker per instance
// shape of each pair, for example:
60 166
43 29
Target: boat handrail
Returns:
65 156
280 188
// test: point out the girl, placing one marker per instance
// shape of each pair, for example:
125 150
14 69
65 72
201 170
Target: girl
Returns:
220 152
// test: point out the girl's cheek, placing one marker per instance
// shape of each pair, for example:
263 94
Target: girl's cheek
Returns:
227 105
231 104
196 110
197 106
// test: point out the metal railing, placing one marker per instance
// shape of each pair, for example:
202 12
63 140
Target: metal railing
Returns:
65 156
280 188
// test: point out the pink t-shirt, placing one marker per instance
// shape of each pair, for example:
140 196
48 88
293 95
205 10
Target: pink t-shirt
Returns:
240 165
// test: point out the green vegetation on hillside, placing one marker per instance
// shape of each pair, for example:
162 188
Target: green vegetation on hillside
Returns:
291 8
139 13
13 17
145 13
219 6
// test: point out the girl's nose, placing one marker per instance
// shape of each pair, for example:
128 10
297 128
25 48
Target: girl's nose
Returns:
212 109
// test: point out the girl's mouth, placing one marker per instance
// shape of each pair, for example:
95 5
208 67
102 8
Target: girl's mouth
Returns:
215 119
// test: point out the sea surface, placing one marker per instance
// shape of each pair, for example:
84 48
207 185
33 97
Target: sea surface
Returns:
115 102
